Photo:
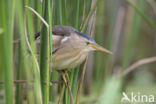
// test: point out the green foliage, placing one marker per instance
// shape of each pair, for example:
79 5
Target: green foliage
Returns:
45 51
111 93
133 35
7 23
125 27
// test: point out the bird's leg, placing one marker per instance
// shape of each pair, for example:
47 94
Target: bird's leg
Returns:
69 88
63 87
66 80
62 94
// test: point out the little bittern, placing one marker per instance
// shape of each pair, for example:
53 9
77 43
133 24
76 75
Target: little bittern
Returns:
70 47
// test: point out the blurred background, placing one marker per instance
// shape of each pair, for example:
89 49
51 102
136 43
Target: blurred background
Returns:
126 27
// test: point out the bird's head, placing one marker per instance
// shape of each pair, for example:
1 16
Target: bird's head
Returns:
91 44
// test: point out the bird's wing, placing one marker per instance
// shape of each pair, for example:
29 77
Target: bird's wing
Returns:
59 34
63 30
60 30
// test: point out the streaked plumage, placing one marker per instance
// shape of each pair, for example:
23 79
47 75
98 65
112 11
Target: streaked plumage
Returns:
70 47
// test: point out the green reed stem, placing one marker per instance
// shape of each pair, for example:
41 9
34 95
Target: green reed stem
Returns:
45 51
7 18
32 49
19 76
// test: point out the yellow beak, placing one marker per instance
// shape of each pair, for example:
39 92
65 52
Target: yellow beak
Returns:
100 48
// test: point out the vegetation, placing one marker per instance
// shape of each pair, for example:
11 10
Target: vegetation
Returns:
126 27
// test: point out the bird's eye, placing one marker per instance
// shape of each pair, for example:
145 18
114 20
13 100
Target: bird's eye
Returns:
87 43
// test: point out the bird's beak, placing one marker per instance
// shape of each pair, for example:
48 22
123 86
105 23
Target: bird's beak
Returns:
100 48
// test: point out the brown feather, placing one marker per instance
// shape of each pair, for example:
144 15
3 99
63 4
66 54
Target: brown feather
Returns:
68 47
63 30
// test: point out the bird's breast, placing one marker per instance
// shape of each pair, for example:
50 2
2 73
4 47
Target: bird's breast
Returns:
69 62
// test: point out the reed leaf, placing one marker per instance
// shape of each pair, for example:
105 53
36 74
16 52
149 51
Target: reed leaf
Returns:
89 15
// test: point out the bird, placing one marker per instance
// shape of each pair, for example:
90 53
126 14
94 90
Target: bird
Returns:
70 47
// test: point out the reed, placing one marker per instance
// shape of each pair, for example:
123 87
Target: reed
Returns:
45 51
7 23
126 27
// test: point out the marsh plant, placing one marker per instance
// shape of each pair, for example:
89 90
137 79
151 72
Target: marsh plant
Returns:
126 27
